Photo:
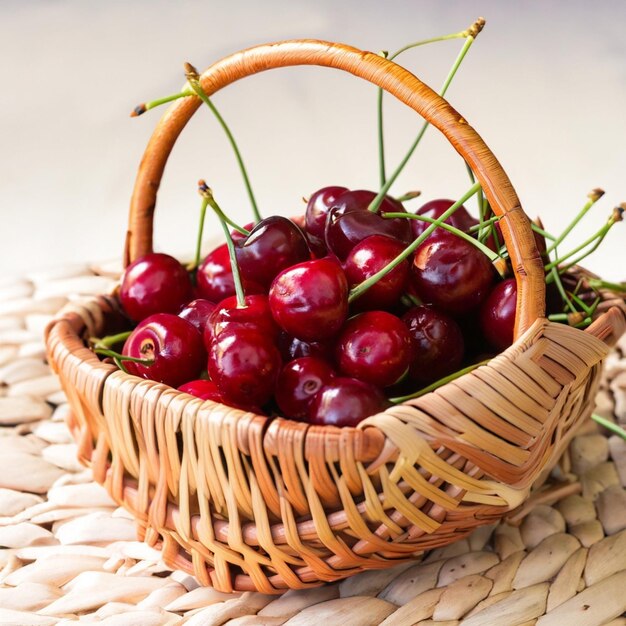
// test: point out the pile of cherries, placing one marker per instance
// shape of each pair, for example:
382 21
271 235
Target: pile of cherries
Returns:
301 340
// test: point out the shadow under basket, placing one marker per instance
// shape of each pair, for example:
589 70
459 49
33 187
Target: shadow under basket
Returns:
245 502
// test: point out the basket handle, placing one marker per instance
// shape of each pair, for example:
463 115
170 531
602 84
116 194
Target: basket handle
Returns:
397 81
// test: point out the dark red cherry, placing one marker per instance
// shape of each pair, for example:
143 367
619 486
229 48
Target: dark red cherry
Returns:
244 363
172 343
451 273
460 219
203 389
154 283
366 259
317 209
215 277
437 344
298 383
256 314
497 314
274 244
197 312
310 300
360 199
346 402
293 348
375 347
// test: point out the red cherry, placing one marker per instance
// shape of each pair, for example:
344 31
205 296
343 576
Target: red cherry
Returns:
256 314
317 209
366 259
497 314
451 273
172 343
437 344
310 300
244 363
203 389
215 277
197 312
346 402
375 347
293 348
154 283
274 244
460 219
298 383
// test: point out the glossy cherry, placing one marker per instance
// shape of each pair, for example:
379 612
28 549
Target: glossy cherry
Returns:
298 383
375 347
203 389
197 312
256 314
244 363
310 300
460 219
293 348
346 402
274 244
437 344
317 209
451 273
497 314
172 343
215 277
154 283
366 259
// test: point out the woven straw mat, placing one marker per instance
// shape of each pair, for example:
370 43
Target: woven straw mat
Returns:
68 554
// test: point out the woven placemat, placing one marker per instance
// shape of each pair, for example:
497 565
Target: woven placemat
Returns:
68 554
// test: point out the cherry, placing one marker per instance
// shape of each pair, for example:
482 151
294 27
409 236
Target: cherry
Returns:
293 348
497 314
154 283
172 343
451 273
256 314
203 389
298 383
437 344
310 300
197 312
345 402
244 363
374 347
317 209
215 277
274 244
460 219
370 256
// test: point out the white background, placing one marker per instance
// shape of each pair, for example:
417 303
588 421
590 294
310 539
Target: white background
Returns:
544 84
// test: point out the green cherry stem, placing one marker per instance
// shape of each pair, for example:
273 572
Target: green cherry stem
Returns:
542 231
556 277
593 196
598 283
193 79
471 34
409 195
372 280
109 340
140 109
122 357
206 193
609 425
439 383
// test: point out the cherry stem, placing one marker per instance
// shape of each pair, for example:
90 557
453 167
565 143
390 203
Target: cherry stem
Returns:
471 36
593 196
409 195
472 31
556 277
439 383
542 231
109 340
140 109
372 280
193 79
122 357
203 207
598 283
596 239
493 256
206 193
609 425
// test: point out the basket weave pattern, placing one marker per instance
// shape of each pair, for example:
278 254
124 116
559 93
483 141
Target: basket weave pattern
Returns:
244 502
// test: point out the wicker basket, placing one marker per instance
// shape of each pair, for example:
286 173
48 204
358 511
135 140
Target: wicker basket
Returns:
244 502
